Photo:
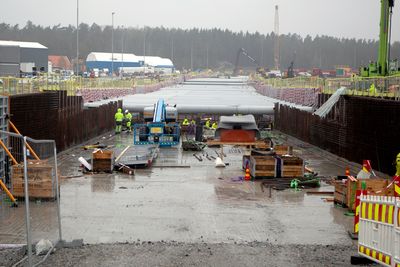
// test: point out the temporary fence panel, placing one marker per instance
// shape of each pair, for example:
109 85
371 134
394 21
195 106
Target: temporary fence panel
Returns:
379 229
34 181
3 127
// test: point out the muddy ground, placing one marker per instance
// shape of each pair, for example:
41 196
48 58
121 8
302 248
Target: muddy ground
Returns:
201 254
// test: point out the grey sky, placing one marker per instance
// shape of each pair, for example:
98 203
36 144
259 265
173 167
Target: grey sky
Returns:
340 18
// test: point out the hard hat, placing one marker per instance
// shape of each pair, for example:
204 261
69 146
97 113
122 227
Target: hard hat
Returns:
126 111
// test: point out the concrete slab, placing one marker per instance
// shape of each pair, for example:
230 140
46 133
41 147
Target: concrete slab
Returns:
196 204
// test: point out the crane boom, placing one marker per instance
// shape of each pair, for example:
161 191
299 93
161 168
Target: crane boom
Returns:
384 42
381 67
244 52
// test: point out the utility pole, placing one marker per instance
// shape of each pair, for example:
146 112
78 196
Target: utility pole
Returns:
207 57
262 52
77 37
191 57
122 52
172 50
112 44
144 53
276 33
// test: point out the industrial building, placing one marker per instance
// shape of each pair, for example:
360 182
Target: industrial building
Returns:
60 63
104 61
22 57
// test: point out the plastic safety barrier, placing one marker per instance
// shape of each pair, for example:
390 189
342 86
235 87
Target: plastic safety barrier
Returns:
379 229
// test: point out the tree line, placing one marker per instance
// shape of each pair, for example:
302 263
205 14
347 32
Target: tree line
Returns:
200 48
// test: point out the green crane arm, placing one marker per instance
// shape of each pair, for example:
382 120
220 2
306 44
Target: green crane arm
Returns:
384 36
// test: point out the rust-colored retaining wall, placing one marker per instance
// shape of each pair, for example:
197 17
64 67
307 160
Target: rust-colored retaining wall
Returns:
357 128
54 115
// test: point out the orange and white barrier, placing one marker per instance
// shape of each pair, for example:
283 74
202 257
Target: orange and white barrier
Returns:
379 229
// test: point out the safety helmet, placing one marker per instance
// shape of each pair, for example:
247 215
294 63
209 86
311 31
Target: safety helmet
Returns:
126 111
119 110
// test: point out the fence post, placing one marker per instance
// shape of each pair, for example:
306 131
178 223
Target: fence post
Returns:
394 235
57 192
27 213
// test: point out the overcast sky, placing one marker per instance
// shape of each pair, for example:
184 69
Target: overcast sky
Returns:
340 18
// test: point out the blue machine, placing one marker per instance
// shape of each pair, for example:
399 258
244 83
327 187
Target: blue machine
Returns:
161 126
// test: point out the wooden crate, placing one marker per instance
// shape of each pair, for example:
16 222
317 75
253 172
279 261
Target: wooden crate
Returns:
283 150
377 187
40 180
264 145
340 194
262 166
103 161
292 167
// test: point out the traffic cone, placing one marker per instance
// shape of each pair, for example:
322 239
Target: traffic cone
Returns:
247 176
348 171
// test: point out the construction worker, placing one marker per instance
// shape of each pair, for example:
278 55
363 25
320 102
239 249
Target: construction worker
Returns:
118 120
372 89
398 165
214 125
193 122
128 119
208 123
185 122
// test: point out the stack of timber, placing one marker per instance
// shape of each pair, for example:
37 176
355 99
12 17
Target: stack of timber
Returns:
41 177
103 161
262 166
291 167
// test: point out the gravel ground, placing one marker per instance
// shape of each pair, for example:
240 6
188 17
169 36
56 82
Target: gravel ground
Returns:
10 256
199 254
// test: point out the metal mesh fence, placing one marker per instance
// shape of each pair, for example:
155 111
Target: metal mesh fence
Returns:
35 212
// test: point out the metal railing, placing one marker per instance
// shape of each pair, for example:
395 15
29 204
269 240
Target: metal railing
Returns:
375 87
14 86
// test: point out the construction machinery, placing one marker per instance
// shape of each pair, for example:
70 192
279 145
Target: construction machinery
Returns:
160 127
260 70
290 71
384 66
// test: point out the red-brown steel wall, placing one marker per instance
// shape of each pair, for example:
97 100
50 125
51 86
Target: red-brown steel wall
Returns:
54 115
357 128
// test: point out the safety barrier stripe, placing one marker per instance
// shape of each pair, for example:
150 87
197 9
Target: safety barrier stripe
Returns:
378 212
375 255
397 189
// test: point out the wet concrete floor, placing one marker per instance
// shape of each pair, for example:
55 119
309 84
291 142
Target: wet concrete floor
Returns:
195 204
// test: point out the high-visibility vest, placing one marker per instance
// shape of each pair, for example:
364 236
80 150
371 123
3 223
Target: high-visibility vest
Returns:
119 116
